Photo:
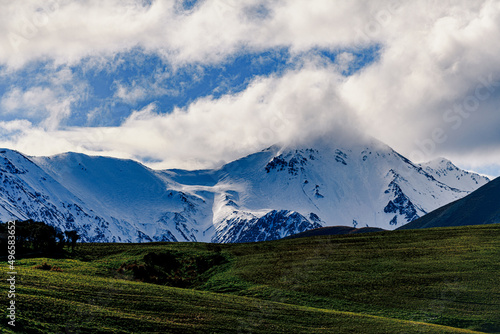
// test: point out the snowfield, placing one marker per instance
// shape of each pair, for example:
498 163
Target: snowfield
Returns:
264 196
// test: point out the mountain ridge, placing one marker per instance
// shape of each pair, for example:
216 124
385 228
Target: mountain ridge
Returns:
479 207
266 195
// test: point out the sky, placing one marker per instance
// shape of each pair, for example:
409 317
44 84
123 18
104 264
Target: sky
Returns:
196 84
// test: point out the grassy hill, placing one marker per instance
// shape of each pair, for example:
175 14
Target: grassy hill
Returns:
334 230
416 281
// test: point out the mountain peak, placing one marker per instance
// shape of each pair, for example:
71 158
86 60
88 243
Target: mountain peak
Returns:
266 195
10 153
446 172
439 163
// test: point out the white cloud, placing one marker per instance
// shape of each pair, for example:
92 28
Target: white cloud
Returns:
434 55
30 100
69 31
143 88
130 94
275 109
424 71
38 103
48 101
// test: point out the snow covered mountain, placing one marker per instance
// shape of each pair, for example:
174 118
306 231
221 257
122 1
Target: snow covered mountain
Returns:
446 172
265 196
479 207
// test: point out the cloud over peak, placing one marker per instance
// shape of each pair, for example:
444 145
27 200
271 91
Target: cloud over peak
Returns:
168 80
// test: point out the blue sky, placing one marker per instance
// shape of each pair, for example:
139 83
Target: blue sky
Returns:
156 82
193 84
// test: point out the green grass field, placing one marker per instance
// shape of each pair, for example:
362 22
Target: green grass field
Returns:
416 281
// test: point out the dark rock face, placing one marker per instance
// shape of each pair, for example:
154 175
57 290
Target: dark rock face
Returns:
293 162
400 204
272 226
341 157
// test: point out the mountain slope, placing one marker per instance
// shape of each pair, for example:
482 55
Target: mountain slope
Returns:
334 230
361 185
267 195
105 199
480 207
446 172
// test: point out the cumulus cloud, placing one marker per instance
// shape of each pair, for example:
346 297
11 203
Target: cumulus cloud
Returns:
38 102
434 89
431 78
130 94
301 104
48 100
71 30
142 89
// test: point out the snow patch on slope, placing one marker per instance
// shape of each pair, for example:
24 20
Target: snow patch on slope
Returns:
264 196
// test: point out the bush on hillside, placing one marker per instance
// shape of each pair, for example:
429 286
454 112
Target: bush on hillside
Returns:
174 268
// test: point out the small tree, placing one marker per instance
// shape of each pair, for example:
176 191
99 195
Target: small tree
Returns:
43 237
72 237
61 241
